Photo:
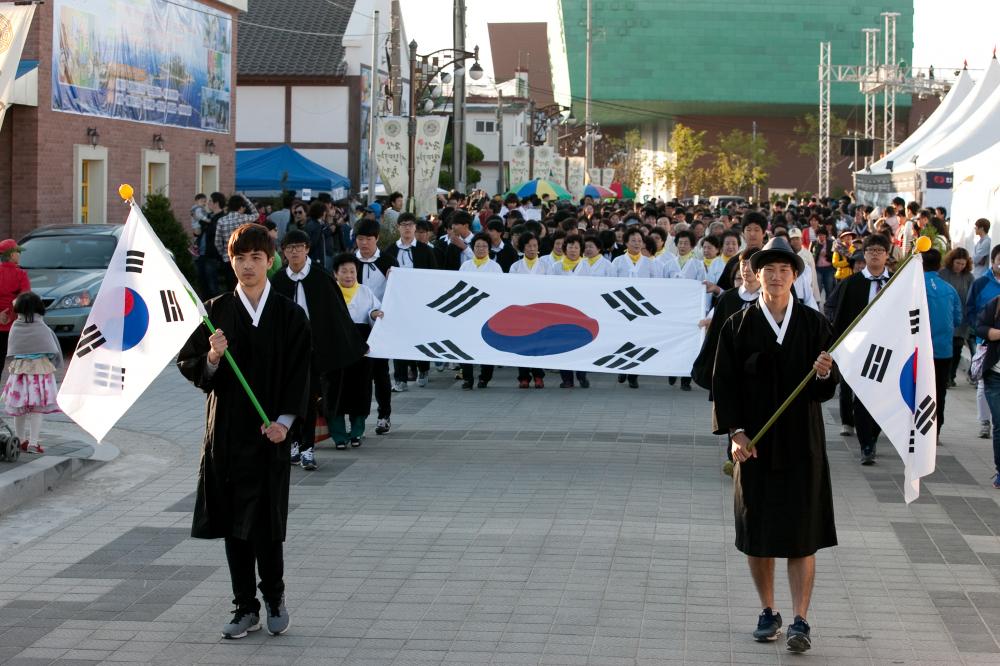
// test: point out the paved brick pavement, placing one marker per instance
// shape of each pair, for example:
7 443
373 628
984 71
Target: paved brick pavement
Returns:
502 526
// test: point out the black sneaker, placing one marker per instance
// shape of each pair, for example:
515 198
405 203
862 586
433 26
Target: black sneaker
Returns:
797 639
355 442
768 626
621 379
584 383
685 383
467 386
868 456
482 384
633 382
244 621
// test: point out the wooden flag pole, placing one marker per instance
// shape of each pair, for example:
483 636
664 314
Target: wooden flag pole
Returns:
126 193
922 245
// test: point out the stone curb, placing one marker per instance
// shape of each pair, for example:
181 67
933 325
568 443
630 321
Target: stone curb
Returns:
31 480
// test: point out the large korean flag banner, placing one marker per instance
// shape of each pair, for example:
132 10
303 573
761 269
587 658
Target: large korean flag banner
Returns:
595 324
142 316
888 360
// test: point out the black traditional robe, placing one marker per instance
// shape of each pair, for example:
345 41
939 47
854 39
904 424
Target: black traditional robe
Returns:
730 302
243 476
783 498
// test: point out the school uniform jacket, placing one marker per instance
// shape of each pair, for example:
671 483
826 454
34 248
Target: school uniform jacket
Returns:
422 255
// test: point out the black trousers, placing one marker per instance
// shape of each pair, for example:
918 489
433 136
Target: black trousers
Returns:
401 369
941 368
268 556
567 376
468 372
304 430
846 404
865 427
383 387
526 374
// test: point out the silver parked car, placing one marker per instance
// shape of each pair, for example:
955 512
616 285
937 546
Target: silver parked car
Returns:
66 264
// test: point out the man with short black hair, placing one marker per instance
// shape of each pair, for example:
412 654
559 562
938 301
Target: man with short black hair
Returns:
500 252
390 216
455 248
374 274
981 250
853 296
754 234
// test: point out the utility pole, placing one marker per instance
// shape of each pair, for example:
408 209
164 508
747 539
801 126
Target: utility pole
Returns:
753 162
372 109
500 187
411 131
458 102
531 139
395 60
587 125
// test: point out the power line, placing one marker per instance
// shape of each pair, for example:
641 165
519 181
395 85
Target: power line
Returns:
226 17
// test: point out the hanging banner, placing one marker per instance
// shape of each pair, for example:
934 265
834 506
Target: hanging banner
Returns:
392 152
14 24
519 166
596 175
576 178
542 161
143 60
639 326
557 172
607 177
427 162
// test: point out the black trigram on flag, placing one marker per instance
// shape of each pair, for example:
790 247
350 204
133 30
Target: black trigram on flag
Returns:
876 363
627 356
458 300
630 303
446 350
171 310
134 260
925 416
914 321
109 376
90 339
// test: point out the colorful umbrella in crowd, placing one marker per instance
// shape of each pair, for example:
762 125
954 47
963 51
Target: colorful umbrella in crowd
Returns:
598 192
622 190
540 187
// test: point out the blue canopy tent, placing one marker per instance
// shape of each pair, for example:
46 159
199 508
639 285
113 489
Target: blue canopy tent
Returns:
269 170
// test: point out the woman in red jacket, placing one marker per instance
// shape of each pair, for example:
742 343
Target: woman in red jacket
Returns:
13 281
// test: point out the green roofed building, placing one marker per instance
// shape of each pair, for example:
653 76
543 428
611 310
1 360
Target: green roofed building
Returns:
724 64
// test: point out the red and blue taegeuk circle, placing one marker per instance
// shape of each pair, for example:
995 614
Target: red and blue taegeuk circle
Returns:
539 329
908 382
136 319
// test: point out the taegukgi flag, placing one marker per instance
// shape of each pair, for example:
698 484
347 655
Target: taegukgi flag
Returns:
596 324
888 360
142 316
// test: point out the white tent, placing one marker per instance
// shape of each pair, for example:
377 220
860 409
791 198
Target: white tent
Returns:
895 174
976 194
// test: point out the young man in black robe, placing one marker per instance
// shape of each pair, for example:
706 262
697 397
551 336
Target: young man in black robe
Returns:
336 343
243 478
783 497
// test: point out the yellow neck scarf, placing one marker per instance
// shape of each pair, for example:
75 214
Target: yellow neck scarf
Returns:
727 257
708 262
661 251
634 257
530 263
349 292
479 262
683 259
569 264
593 260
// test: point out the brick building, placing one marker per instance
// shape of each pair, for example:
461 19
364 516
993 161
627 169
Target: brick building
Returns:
64 166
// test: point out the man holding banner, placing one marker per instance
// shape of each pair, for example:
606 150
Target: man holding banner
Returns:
783 495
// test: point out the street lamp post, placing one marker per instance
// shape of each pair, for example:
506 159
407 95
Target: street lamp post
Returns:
429 69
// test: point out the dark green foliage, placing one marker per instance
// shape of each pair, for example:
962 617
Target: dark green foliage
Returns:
170 232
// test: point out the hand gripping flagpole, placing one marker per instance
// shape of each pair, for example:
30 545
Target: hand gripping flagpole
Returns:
921 245
126 193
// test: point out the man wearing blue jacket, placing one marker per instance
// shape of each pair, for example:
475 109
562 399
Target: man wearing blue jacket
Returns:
982 291
945 309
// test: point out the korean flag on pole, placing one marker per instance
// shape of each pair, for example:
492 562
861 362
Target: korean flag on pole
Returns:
141 317
888 360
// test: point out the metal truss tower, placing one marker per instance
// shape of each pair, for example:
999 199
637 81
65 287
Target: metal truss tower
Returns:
825 71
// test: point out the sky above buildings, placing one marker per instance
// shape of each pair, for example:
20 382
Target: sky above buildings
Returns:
945 33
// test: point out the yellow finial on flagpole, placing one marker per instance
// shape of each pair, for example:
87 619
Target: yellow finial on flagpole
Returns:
125 191
923 244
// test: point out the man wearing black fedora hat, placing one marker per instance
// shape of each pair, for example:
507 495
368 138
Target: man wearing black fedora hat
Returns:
783 501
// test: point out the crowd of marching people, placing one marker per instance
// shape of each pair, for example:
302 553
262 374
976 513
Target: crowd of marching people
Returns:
845 249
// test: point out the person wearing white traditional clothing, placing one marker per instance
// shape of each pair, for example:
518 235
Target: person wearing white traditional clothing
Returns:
480 263
573 264
597 264
529 264
691 267
633 264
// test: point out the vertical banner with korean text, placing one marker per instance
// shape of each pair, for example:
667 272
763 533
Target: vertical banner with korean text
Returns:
576 178
557 172
607 177
392 151
543 161
519 166
427 162
596 175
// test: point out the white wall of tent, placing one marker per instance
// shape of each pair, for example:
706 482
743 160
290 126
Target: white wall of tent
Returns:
951 160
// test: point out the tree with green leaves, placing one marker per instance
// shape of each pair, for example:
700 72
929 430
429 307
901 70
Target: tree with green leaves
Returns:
742 161
627 159
806 130
171 233
473 155
687 147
